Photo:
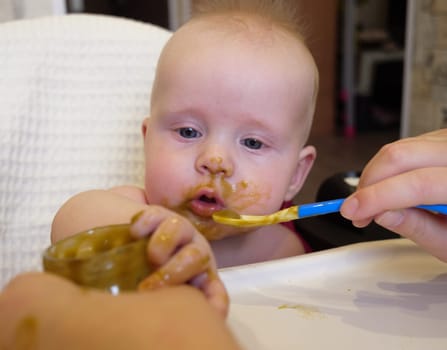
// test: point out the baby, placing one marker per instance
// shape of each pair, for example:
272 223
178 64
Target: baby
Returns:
231 109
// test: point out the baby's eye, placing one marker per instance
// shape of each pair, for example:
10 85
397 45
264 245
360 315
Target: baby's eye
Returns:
252 143
189 133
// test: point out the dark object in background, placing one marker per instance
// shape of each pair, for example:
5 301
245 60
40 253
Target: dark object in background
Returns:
382 109
396 21
332 230
340 185
155 12
387 93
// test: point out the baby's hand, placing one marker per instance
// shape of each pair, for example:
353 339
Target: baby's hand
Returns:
180 253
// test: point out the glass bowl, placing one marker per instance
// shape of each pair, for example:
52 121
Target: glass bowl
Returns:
106 258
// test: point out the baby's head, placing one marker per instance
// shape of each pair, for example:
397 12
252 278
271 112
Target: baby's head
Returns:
231 109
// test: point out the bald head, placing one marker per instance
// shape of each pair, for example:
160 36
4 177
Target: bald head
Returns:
247 37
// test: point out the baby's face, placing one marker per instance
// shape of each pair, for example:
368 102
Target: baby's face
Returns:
227 126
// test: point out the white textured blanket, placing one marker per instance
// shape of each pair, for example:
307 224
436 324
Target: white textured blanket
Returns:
73 93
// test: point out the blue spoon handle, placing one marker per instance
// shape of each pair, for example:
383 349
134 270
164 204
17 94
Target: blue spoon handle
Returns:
320 208
439 208
333 206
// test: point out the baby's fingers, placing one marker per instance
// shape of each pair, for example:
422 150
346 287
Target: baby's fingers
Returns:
170 236
189 262
145 222
168 231
214 290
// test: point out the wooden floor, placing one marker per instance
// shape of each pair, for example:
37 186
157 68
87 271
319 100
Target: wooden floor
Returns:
338 154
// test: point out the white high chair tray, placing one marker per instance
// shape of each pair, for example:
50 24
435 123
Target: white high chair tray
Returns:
375 295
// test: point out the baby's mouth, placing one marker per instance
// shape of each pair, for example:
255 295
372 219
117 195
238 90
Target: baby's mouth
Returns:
206 203
207 199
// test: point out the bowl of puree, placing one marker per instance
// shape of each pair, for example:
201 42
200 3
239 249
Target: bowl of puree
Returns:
106 258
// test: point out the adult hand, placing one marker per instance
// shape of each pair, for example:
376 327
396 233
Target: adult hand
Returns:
44 311
404 174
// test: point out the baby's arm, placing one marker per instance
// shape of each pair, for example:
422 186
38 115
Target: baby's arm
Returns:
179 251
95 208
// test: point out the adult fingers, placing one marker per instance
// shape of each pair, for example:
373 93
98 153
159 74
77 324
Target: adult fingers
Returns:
405 155
421 186
424 228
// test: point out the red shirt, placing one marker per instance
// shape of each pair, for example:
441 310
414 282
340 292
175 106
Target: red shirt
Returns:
291 227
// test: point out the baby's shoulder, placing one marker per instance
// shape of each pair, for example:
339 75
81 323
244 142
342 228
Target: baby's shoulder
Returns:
132 192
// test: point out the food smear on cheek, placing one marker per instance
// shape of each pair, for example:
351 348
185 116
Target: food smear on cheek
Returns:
239 196
242 195
210 231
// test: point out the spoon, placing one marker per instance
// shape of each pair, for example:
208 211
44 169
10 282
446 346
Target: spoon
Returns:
228 217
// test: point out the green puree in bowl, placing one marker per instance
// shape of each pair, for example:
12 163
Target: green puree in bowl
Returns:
107 258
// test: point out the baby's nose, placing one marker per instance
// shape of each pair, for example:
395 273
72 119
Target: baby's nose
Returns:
214 162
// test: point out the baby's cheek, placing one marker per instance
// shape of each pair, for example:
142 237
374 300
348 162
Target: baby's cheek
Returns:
251 196
164 192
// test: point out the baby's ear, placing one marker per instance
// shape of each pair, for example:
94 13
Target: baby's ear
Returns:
306 160
144 126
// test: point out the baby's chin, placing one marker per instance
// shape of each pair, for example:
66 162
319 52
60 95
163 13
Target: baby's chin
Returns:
217 231
211 230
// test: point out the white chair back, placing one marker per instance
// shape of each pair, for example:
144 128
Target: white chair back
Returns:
74 90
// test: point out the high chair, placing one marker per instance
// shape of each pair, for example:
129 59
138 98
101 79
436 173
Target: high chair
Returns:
74 90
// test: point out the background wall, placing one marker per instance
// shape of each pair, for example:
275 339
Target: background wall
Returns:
322 17
16 9
425 94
